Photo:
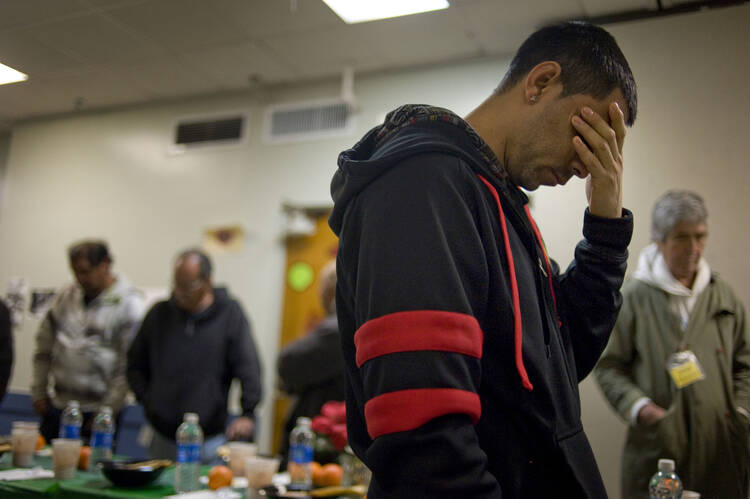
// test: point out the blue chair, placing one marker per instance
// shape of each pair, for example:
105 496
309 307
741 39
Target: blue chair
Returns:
15 407
131 420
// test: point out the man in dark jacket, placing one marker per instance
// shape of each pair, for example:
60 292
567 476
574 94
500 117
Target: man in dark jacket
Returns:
311 368
186 354
6 349
463 344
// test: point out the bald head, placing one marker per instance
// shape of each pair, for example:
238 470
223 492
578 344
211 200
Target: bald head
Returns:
193 291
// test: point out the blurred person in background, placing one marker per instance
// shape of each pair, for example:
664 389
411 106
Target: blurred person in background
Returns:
677 366
311 368
6 349
185 356
82 342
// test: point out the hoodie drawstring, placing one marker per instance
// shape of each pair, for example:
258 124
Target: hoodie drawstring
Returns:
517 325
546 261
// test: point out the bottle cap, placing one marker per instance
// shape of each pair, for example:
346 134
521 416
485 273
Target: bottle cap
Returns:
303 421
106 408
191 417
666 465
73 403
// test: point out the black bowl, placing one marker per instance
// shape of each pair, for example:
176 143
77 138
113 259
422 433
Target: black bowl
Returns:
124 474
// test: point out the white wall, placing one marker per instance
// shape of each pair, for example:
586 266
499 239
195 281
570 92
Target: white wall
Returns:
109 175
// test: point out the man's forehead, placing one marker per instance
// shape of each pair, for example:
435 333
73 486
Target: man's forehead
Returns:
81 264
687 227
187 268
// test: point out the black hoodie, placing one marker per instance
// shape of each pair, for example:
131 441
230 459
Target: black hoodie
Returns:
181 362
463 344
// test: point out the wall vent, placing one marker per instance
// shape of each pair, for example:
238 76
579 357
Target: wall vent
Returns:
308 120
213 130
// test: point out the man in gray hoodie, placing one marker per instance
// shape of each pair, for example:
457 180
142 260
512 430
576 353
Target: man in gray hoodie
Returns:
82 343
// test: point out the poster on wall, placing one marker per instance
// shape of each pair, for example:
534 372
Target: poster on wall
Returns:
226 239
15 298
41 301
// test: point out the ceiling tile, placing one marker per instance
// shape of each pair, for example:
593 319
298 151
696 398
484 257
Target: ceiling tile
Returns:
181 25
22 51
19 13
233 65
94 39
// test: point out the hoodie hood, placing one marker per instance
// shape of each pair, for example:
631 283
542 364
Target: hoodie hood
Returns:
653 270
407 131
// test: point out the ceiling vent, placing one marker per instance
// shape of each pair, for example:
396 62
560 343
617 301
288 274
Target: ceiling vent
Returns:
308 121
211 130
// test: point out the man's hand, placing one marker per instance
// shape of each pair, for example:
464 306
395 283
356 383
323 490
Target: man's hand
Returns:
241 428
41 406
599 146
650 414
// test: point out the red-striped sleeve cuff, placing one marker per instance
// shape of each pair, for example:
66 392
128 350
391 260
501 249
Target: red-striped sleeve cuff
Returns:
418 330
409 409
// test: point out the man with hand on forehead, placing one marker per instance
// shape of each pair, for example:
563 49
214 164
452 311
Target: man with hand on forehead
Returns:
463 343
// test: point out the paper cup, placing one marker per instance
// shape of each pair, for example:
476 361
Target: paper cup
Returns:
23 439
65 453
259 470
238 452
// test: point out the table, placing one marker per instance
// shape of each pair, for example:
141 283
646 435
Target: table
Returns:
84 485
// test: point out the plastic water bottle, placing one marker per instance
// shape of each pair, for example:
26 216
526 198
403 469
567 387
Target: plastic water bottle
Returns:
71 421
101 436
665 484
301 454
189 443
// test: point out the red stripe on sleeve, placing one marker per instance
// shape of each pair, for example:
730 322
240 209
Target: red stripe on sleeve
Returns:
418 330
409 409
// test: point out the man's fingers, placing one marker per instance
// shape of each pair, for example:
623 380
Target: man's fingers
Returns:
618 124
588 158
599 135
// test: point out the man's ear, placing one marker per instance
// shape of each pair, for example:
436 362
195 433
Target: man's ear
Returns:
540 79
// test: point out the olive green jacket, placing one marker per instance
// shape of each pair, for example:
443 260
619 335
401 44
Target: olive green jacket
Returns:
702 430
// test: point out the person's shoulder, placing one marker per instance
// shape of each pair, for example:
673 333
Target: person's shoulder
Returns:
727 296
68 296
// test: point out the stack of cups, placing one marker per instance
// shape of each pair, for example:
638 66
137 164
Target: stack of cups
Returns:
24 435
65 453
238 453
259 471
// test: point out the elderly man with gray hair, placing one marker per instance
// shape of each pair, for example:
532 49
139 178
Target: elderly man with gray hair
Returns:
677 366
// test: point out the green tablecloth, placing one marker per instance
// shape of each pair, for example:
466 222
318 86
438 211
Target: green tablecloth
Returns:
85 484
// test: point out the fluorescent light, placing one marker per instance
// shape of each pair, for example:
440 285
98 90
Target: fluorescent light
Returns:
358 11
10 75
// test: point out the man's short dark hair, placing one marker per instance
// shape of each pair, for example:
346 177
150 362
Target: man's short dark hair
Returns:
93 251
203 261
592 63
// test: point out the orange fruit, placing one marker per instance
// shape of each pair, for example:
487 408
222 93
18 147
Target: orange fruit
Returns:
219 476
84 457
315 467
40 442
328 474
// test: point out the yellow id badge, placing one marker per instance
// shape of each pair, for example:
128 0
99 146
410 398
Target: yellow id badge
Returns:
684 368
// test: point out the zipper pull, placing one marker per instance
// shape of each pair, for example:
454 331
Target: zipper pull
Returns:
541 266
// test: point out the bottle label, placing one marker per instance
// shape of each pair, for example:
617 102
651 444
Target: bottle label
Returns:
101 439
189 453
70 431
301 453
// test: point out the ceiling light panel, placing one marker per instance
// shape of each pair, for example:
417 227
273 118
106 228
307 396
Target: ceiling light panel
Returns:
10 75
359 11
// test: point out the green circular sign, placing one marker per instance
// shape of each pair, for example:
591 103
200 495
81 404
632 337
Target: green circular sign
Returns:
300 276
